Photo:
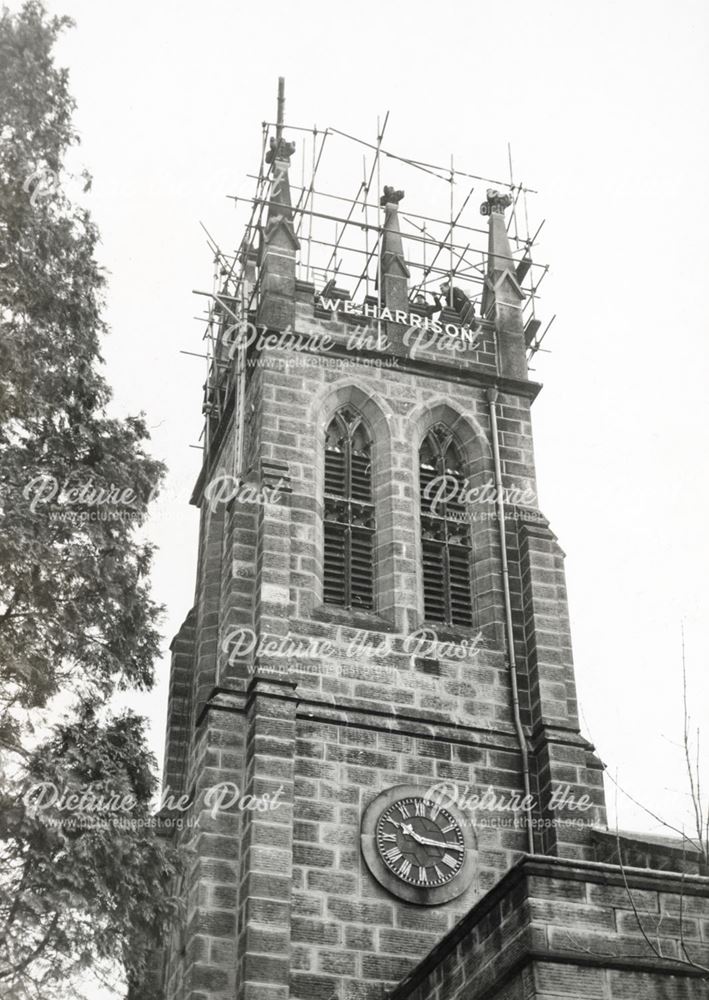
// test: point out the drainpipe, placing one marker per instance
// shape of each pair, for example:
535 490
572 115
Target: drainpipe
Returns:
512 660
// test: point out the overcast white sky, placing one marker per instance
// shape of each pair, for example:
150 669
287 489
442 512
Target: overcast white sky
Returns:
605 106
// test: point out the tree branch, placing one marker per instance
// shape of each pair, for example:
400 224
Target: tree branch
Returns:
35 953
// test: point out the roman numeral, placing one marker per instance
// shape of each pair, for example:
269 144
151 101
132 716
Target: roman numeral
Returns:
405 868
448 860
389 837
437 870
420 807
447 829
422 874
393 854
401 806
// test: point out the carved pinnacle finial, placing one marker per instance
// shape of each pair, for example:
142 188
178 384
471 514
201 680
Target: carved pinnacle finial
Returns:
496 203
279 149
390 196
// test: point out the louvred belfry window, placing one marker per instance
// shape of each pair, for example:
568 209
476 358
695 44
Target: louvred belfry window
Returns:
445 532
349 514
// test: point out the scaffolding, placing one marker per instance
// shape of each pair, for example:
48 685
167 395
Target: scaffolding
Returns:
340 239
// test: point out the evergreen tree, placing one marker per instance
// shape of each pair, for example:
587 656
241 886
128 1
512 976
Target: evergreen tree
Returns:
76 619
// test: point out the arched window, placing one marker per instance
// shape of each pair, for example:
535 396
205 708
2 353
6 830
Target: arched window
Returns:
349 513
445 532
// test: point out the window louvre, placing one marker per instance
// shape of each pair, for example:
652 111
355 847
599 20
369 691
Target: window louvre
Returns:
349 514
446 543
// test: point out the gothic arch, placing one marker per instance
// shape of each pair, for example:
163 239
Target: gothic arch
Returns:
471 441
373 409
469 433
374 413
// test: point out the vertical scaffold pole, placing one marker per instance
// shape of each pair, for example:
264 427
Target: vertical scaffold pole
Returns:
308 274
379 231
512 185
366 226
450 280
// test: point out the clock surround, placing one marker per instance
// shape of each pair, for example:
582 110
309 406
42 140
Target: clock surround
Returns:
416 848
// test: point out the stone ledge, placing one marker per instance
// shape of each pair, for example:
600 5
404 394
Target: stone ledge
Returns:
357 716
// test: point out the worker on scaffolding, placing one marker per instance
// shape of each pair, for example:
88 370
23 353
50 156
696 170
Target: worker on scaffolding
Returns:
455 298
424 307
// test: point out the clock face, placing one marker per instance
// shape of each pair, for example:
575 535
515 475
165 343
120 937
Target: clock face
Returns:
420 842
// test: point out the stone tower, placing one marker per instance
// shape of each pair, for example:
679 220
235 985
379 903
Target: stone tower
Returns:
378 658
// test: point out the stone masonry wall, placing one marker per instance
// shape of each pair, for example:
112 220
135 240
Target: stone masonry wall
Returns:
561 931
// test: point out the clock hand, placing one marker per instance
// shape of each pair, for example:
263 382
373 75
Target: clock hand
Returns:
439 843
408 829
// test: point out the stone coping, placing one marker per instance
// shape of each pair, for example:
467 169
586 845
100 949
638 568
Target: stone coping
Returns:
544 867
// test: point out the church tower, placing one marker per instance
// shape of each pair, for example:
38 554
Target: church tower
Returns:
372 703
